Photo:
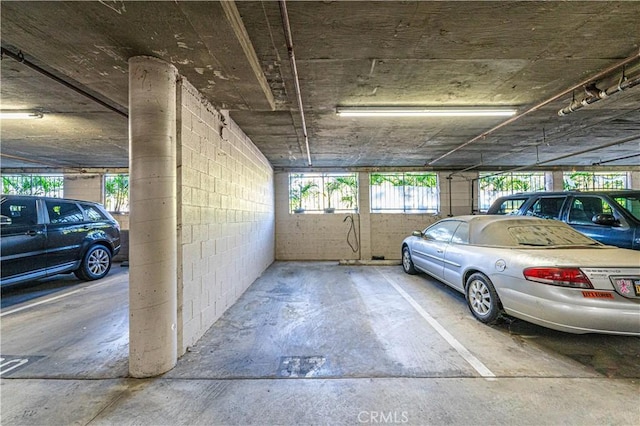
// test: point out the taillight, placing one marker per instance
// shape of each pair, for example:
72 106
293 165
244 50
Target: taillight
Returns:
566 277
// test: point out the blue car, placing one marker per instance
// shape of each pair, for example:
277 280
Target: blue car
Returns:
611 217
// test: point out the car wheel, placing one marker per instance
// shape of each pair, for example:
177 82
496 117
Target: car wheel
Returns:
407 263
482 298
96 263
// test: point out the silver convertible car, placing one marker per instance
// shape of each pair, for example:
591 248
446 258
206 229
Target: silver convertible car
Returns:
538 270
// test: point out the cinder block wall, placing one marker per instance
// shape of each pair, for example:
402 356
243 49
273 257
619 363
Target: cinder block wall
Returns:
308 236
456 193
225 214
388 231
324 236
86 187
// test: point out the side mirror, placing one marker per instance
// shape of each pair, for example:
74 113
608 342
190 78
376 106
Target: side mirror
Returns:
605 219
417 234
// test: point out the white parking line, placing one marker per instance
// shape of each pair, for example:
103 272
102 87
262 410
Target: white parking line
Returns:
51 299
455 344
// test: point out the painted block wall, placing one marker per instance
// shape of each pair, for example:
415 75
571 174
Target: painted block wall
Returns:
309 236
455 193
84 186
324 236
226 225
634 178
388 231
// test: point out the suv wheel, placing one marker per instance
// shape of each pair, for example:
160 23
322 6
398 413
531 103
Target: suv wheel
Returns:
96 263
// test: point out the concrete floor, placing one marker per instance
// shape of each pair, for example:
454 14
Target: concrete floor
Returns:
313 343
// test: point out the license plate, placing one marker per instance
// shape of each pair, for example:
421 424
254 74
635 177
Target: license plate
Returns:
627 286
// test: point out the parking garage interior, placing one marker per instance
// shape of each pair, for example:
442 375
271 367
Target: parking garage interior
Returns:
231 308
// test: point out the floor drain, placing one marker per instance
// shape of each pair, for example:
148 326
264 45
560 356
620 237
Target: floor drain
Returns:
300 366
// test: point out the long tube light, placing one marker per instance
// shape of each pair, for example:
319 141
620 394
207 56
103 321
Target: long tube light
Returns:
20 115
424 112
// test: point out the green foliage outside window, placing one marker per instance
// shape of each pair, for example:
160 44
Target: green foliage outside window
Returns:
116 192
43 185
412 192
494 185
318 192
590 181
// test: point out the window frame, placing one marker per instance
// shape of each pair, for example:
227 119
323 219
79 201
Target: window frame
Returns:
323 192
505 184
405 201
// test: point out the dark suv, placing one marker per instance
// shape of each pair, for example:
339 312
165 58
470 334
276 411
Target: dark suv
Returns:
611 217
46 236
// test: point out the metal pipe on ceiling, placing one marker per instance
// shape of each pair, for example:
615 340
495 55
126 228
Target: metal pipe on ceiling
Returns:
534 108
20 58
597 95
562 157
294 68
625 157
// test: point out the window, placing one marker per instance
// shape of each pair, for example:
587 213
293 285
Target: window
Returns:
494 185
631 203
323 192
116 193
546 207
511 206
64 212
19 212
43 185
443 231
462 234
583 208
591 181
404 193
93 214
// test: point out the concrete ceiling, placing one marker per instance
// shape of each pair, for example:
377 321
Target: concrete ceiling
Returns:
505 53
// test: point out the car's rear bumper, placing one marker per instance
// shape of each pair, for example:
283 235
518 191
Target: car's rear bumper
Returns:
575 310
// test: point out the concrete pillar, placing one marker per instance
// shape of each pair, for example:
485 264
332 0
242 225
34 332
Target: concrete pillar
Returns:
153 217
364 216
554 181
634 180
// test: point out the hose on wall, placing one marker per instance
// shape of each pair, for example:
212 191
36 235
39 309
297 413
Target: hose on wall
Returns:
355 246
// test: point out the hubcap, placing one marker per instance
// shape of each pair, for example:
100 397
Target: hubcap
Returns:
98 262
406 260
479 297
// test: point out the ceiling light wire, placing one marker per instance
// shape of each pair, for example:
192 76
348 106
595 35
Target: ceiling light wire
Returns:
294 69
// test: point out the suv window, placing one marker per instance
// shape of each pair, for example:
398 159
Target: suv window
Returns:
510 206
20 212
546 207
630 203
93 214
64 212
583 208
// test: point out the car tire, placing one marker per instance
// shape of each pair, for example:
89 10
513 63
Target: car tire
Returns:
482 298
95 264
407 263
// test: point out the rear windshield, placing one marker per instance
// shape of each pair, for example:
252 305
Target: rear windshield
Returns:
543 235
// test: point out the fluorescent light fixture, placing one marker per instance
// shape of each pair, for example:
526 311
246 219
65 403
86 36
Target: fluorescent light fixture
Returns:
20 115
424 112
